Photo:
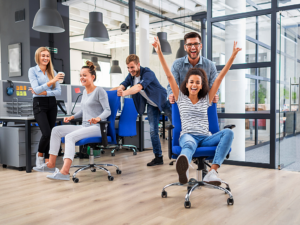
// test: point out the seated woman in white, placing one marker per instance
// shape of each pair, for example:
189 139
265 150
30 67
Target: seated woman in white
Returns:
94 108
193 98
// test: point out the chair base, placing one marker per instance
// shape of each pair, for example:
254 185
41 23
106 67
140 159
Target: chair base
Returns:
198 183
93 168
194 184
130 147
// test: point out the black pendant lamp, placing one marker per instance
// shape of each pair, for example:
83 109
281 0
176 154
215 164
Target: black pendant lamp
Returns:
95 62
95 31
115 68
164 44
48 19
181 52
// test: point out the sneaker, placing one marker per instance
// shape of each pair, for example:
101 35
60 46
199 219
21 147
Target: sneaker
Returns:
212 178
58 175
39 160
44 168
156 161
182 168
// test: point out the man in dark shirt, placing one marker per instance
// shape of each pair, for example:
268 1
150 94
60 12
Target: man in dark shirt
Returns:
146 90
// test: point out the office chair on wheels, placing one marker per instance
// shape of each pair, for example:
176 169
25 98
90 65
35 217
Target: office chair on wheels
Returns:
97 143
199 157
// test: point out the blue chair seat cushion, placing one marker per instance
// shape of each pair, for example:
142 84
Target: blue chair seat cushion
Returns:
89 140
208 152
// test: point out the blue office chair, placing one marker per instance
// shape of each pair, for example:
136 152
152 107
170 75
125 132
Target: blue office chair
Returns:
201 154
127 125
97 143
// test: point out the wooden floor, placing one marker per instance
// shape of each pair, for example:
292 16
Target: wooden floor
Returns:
261 196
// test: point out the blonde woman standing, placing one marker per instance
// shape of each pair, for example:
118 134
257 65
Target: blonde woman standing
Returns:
44 87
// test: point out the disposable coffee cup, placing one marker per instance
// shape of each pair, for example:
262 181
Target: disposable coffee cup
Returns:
61 80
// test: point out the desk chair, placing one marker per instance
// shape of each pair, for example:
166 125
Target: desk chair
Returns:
127 125
201 154
96 143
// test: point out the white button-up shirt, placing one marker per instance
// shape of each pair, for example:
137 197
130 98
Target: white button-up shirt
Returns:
39 80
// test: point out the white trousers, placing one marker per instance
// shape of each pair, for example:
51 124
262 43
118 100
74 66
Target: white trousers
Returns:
72 134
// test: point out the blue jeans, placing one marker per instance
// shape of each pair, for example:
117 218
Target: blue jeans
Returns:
153 117
222 139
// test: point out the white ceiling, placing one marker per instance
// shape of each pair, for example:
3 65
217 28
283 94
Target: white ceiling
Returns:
114 14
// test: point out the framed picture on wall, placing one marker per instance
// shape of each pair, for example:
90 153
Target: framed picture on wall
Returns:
15 60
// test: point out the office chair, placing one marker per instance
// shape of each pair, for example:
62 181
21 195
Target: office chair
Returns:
201 154
127 125
95 143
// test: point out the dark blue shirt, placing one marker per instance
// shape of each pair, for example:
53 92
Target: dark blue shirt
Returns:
152 88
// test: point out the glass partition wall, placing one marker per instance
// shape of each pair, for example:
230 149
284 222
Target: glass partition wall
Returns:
260 93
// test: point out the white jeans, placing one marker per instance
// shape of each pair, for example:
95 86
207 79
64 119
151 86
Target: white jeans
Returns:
72 134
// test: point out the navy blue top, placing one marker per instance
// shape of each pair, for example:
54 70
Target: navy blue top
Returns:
151 86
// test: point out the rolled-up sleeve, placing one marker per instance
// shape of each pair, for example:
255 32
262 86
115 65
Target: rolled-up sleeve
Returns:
34 82
103 99
56 91
126 82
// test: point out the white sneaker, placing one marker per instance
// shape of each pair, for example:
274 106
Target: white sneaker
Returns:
44 168
39 160
212 178
182 168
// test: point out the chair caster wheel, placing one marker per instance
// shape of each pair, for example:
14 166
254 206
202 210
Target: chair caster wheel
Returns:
187 204
118 171
112 154
110 178
75 180
228 189
134 153
102 152
93 170
230 201
164 194
171 163
4 166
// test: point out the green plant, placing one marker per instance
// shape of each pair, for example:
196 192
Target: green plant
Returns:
261 95
294 96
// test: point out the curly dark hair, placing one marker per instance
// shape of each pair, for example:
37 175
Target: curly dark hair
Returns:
200 72
92 68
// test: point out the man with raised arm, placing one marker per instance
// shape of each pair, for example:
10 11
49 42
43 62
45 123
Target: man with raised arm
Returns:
181 66
146 90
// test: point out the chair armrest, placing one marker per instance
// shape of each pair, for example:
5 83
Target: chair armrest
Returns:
75 121
103 130
230 126
170 127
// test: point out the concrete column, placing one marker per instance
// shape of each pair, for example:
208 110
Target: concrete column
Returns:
235 79
144 52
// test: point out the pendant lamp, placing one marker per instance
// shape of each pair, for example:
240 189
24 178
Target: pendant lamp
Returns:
164 44
95 31
47 19
181 52
95 62
115 68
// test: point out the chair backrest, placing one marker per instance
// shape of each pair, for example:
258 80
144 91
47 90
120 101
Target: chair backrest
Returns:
127 122
212 121
114 102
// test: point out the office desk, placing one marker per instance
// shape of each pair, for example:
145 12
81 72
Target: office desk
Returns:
27 120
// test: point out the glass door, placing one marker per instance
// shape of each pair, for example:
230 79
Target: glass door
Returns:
288 80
